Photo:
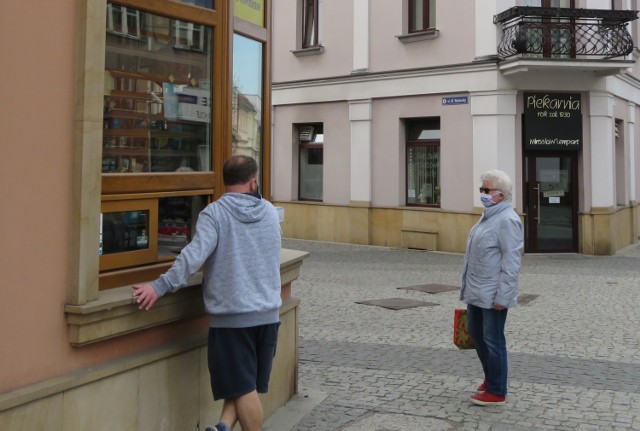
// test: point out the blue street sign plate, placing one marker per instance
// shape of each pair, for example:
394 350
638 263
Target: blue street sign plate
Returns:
459 100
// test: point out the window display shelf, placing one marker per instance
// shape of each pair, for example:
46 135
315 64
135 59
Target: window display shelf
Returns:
139 136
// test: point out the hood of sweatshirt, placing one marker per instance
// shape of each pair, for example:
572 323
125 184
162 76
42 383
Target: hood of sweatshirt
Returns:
246 208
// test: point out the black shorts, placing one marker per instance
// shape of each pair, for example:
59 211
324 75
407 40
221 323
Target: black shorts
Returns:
240 359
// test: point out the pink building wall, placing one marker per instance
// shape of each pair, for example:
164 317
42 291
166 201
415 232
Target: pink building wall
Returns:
37 114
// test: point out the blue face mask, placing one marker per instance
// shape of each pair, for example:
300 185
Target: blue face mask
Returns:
487 200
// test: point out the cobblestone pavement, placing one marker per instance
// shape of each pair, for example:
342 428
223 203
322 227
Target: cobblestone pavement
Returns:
574 350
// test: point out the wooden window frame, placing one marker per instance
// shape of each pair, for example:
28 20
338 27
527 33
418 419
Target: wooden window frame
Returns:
416 143
426 13
92 314
147 183
136 257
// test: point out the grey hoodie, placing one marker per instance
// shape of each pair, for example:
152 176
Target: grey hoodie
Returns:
238 239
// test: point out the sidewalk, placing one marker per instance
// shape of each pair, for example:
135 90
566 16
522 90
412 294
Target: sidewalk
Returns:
574 348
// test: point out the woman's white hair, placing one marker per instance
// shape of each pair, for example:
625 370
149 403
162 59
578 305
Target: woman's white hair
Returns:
500 180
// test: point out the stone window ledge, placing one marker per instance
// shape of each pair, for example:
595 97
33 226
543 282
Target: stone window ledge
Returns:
115 311
314 50
421 35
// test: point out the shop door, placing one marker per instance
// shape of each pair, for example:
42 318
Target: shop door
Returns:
551 203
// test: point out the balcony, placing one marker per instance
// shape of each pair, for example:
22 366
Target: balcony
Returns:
552 39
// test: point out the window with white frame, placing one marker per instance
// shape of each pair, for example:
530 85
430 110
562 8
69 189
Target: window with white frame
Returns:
423 161
422 15
123 21
189 35
311 143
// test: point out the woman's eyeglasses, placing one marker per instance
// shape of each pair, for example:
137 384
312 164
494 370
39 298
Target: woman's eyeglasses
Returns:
486 190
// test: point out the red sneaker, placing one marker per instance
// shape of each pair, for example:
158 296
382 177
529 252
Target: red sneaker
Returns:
483 387
488 399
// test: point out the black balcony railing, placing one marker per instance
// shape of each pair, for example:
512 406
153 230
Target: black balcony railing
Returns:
564 33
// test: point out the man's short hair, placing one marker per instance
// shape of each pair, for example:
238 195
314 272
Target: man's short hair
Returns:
239 170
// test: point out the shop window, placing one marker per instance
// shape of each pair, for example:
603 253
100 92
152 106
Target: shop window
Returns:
311 142
247 99
310 23
135 232
156 137
423 161
422 15
143 174
202 3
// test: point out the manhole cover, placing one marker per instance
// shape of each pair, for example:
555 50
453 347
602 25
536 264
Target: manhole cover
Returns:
526 298
397 303
432 288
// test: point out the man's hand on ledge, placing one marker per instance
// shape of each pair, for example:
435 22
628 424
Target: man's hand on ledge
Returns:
145 295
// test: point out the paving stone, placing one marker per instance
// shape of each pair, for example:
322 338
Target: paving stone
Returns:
572 350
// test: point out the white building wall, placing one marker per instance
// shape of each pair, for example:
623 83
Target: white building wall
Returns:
493 137
335 35
602 150
360 122
361 36
451 46
336 149
487 34
367 82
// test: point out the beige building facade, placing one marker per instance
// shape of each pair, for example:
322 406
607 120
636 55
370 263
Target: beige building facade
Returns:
385 114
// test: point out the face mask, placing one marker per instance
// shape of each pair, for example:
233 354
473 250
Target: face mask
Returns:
487 200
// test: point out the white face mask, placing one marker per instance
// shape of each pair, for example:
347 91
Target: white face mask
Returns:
487 200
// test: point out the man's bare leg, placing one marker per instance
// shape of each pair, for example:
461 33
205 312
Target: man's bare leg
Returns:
229 416
248 408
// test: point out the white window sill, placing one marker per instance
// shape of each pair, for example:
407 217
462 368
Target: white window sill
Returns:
418 36
314 50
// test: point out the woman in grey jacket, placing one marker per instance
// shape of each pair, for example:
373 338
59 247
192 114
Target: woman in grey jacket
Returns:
490 282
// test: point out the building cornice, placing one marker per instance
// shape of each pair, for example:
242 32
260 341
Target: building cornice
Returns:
408 82
481 66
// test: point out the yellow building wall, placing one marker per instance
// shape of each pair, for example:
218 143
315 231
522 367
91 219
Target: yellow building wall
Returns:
390 227
605 231
599 232
165 389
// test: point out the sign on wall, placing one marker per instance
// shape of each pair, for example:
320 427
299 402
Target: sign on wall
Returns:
552 121
250 10
459 100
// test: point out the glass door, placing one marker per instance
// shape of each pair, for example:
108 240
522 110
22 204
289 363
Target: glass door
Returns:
551 202
551 36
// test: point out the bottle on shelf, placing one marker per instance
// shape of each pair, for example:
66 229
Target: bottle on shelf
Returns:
143 240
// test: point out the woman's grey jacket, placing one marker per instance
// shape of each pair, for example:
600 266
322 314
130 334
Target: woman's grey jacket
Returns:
492 259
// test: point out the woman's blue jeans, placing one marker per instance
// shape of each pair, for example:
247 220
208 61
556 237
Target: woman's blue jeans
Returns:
486 328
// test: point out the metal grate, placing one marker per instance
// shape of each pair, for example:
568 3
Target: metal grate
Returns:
564 33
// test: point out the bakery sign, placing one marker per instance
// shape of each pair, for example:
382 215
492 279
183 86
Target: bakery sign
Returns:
552 121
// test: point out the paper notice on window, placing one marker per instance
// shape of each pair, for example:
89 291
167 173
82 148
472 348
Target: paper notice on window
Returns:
554 200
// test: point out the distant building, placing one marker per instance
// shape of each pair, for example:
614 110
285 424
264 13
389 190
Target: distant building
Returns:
385 114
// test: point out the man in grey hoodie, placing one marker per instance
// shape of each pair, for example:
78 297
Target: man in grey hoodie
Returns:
238 240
